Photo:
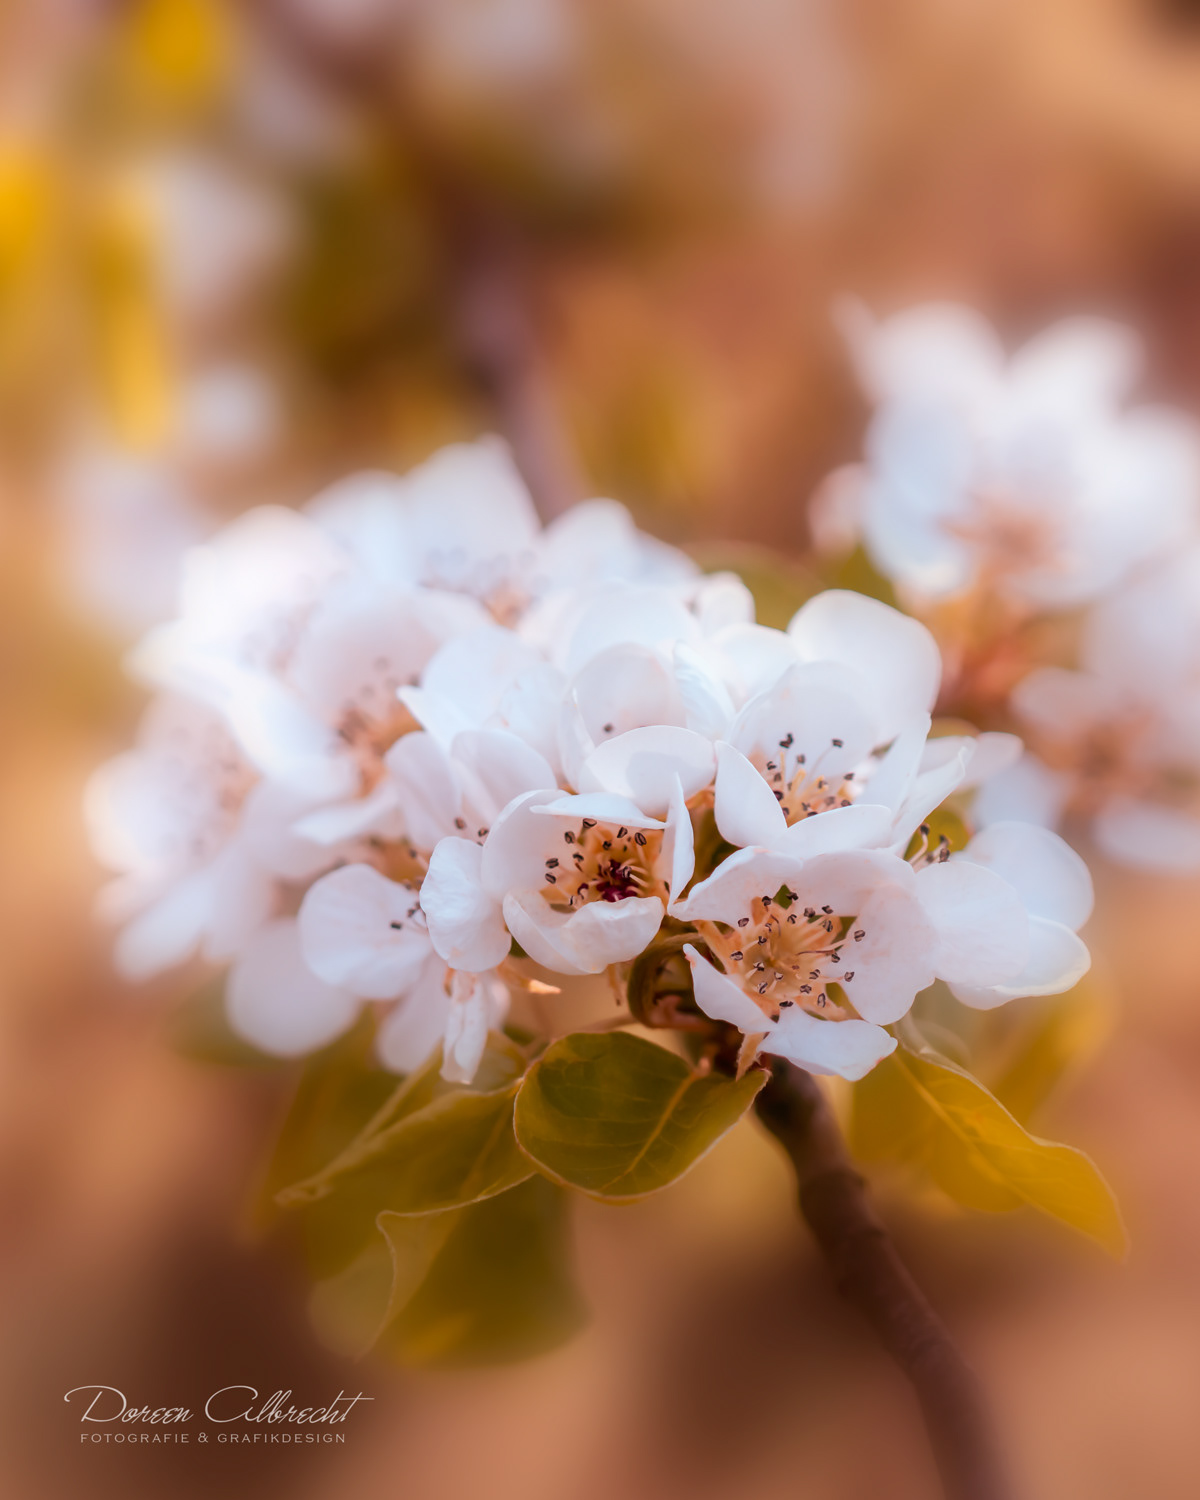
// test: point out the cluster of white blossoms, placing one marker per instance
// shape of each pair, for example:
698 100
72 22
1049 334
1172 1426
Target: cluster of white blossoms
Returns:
411 748
996 489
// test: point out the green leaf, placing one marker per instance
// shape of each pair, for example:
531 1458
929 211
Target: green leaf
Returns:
456 1150
427 1145
339 1091
347 1309
619 1117
977 1147
483 1284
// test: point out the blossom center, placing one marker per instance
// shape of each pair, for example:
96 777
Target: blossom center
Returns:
783 955
372 719
806 790
603 862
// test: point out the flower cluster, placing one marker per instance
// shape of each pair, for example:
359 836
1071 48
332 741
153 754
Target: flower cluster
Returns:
412 748
995 491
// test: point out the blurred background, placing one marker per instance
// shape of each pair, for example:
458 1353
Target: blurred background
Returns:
237 260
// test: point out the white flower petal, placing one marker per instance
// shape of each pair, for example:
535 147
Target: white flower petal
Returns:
625 687
167 932
478 1003
929 790
495 767
816 715
892 779
378 812
862 825
271 834
727 893
629 614
415 1024
644 765
1058 960
584 941
677 862
604 807
275 1001
707 706
465 923
846 1049
719 997
982 928
520 842
473 672
363 932
425 787
895 655
1049 876
893 962
745 807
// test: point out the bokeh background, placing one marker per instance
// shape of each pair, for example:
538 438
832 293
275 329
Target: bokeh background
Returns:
231 269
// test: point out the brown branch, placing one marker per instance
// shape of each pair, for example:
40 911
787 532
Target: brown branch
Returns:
491 313
869 1273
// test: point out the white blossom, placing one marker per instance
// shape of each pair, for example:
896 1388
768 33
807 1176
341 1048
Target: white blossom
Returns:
994 922
1027 476
1117 742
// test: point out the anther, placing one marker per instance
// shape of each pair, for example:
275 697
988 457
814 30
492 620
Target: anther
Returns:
639 838
743 921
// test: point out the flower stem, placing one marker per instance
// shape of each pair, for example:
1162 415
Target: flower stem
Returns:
869 1273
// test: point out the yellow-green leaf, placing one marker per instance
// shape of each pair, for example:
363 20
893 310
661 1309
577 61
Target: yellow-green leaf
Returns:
1059 1180
1062 1029
620 1117
483 1284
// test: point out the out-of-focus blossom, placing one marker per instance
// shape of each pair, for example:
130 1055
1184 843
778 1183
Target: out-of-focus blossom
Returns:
1027 478
127 521
812 958
199 842
1117 743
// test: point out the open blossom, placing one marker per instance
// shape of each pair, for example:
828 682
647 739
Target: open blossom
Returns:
1117 743
200 843
1024 476
580 882
812 958
366 935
